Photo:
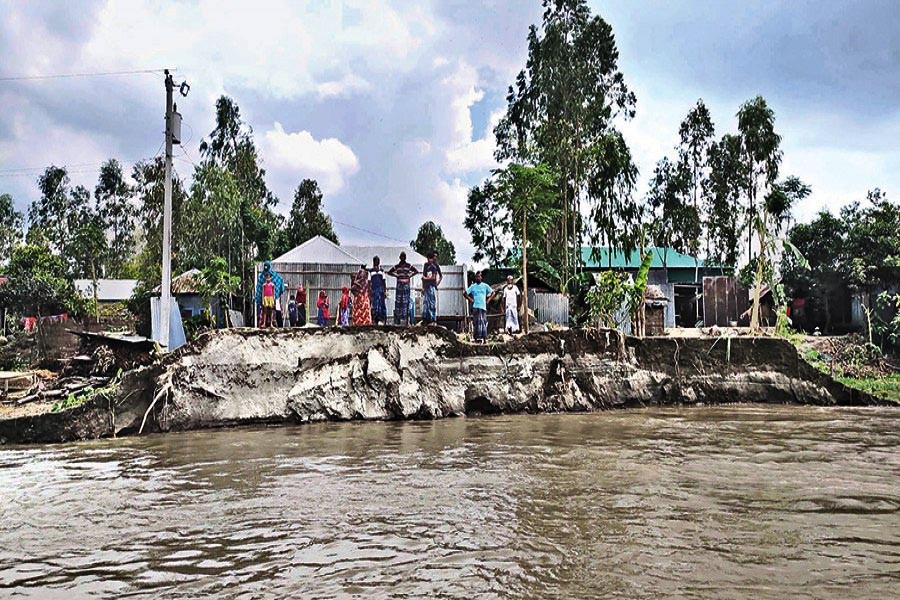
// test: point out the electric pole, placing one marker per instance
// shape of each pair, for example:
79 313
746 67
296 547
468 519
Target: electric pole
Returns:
173 135
165 300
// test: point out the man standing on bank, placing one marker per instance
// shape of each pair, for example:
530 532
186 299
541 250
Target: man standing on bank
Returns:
512 299
431 279
479 294
404 272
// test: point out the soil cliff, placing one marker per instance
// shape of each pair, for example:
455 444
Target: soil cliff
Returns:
244 376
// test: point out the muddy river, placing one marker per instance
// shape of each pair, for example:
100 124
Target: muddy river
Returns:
748 502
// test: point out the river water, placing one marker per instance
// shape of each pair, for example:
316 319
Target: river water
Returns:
736 502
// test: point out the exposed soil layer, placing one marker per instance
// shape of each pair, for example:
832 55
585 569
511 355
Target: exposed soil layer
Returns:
244 376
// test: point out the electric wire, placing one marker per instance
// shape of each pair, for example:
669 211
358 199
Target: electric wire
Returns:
75 75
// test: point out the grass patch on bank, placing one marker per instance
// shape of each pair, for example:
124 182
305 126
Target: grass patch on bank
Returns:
884 387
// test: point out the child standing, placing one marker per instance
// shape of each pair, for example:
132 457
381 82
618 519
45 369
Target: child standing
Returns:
344 307
322 304
268 301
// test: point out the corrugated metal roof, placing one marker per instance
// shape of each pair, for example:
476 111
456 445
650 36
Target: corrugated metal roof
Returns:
318 250
632 260
108 290
389 255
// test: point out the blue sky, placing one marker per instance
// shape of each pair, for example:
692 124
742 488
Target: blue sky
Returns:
389 103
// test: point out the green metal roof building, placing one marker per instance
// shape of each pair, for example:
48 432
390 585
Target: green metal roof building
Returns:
680 267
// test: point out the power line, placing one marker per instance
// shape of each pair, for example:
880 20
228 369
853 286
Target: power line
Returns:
369 231
71 169
73 75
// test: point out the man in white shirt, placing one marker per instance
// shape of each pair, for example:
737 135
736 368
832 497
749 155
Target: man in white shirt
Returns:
512 297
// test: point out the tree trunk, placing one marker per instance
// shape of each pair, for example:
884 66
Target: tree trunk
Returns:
525 270
96 302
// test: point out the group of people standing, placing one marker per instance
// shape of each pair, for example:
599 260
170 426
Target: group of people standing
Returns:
364 302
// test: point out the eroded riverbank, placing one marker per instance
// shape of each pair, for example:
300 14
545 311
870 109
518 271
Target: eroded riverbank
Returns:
239 377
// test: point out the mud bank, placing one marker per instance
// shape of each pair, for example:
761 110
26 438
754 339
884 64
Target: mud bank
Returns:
249 376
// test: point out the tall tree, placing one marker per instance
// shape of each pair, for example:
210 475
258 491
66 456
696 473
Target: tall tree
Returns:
307 218
697 137
725 186
488 224
230 145
761 152
212 216
11 222
430 238
562 112
149 177
675 221
114 207
57 209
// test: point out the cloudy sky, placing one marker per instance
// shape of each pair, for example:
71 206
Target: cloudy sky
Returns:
389 103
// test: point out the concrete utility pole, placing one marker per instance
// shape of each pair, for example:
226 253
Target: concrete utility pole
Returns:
165 300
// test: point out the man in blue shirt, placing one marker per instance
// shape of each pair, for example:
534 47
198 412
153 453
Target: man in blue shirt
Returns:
479 294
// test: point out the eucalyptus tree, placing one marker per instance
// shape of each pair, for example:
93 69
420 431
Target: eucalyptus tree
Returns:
675 222
11 222
724 212
488 225
113 197
149 177
697 135
561 112
760 146
54 211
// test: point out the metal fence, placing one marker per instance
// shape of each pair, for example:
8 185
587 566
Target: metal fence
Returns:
549 307
331 278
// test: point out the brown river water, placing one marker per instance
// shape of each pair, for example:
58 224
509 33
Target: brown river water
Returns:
731 502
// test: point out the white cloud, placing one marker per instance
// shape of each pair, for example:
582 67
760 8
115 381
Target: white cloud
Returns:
295 156
464 152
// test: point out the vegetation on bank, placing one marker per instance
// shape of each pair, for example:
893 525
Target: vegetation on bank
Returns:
884 387
852 360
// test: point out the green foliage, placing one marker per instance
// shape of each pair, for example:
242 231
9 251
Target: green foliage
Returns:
149 177
562 112
607 298
528 195
211 217
883 387
197 324
676 221
76 399
696 134
117 214
430 238
10 228
38 284
307 219
886 324
727 175
217 283
488 224
616 298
